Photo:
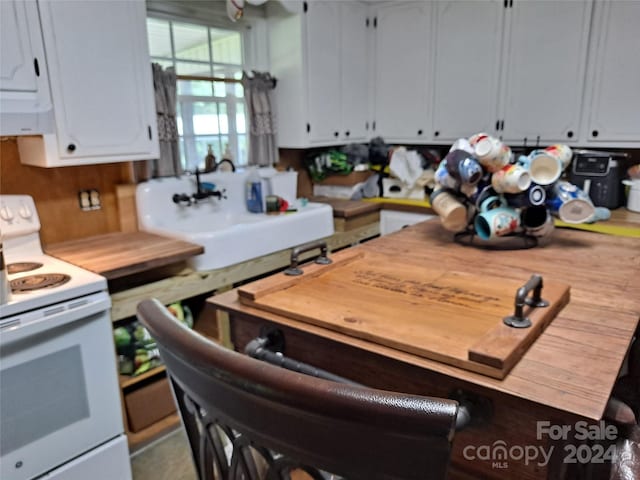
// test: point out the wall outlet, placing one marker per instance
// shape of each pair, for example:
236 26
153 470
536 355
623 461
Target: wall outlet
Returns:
89 200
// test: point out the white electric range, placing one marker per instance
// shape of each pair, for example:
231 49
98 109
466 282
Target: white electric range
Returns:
60 409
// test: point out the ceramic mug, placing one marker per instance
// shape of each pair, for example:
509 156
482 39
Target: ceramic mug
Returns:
536 221
570 203
474 139
452 212
444 179
511 179
534 195
492 153
463 167
543 167
496 219
562 152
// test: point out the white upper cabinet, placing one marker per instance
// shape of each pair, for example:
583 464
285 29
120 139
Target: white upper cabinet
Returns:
466 67
17 62
355 66
545 63
323 67
101 85
319 54
401 80
613 96
25 104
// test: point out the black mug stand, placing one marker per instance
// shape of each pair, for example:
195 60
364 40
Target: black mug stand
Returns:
514 241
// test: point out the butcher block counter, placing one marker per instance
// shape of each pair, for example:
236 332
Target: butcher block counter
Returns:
565 376
117 255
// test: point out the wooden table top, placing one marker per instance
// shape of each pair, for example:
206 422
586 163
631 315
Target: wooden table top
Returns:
574 363
116 255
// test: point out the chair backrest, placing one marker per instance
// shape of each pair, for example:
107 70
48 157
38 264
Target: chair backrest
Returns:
277 420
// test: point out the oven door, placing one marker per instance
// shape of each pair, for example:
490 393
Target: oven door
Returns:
58 386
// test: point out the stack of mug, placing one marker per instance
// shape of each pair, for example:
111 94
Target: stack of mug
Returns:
482 187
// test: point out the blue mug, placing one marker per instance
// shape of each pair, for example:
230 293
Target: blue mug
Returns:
463 167
496 219
570 204
531 197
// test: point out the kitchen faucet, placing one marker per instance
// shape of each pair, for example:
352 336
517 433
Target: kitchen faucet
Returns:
204 190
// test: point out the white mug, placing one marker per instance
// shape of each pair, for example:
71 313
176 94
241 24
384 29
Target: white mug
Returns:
511 179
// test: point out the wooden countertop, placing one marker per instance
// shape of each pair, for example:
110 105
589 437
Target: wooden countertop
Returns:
574 363
116 255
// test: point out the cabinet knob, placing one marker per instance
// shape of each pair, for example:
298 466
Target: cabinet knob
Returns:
335 134
594 133
419 132
347 133
71 147
436 133
570 134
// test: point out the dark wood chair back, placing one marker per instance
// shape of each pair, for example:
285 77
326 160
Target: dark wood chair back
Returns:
246 419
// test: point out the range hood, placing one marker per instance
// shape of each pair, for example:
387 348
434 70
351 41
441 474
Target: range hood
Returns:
22 114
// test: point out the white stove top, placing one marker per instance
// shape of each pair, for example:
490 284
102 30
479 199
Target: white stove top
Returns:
82 282
20 226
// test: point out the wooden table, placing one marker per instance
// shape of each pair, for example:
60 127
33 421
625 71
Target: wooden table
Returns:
566 376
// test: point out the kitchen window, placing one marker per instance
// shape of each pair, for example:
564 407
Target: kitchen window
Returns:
208 112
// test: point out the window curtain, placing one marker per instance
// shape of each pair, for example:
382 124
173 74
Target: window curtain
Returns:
262 131
164 84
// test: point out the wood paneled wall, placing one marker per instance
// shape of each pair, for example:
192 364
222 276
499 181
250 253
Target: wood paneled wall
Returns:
55 192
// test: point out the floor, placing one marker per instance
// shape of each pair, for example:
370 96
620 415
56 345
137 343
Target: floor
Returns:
168 458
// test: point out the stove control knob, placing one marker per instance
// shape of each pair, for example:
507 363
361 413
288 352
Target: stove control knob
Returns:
6 213
25 212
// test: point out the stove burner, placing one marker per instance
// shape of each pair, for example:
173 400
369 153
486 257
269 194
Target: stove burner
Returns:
20 267
36 282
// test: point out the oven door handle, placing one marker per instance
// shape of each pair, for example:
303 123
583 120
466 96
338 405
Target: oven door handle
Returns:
46 319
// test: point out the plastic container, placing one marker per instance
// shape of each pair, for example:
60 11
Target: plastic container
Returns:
254 195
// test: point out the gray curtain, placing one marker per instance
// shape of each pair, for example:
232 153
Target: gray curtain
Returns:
263 150
164 84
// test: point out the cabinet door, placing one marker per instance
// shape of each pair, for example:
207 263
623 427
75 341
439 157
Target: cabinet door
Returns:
355 75
323 70
615 103
466 67
402 53
100 77
545 65
17 69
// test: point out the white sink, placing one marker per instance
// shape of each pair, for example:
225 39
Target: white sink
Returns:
227 231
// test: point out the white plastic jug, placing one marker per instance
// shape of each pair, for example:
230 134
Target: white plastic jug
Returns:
633 199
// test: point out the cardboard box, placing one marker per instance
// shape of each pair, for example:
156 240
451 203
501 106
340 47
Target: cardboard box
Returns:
148 404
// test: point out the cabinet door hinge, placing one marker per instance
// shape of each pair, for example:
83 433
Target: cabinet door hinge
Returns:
149 131
375 22
305 7
36 67
308 128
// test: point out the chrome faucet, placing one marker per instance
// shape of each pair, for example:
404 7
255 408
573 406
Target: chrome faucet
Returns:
204 190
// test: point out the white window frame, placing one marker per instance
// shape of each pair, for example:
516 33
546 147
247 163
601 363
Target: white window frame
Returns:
191 158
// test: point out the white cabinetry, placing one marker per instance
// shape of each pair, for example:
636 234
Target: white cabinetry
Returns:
401 80
319 54
613 94
101 85
544 70
466 67
25 103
